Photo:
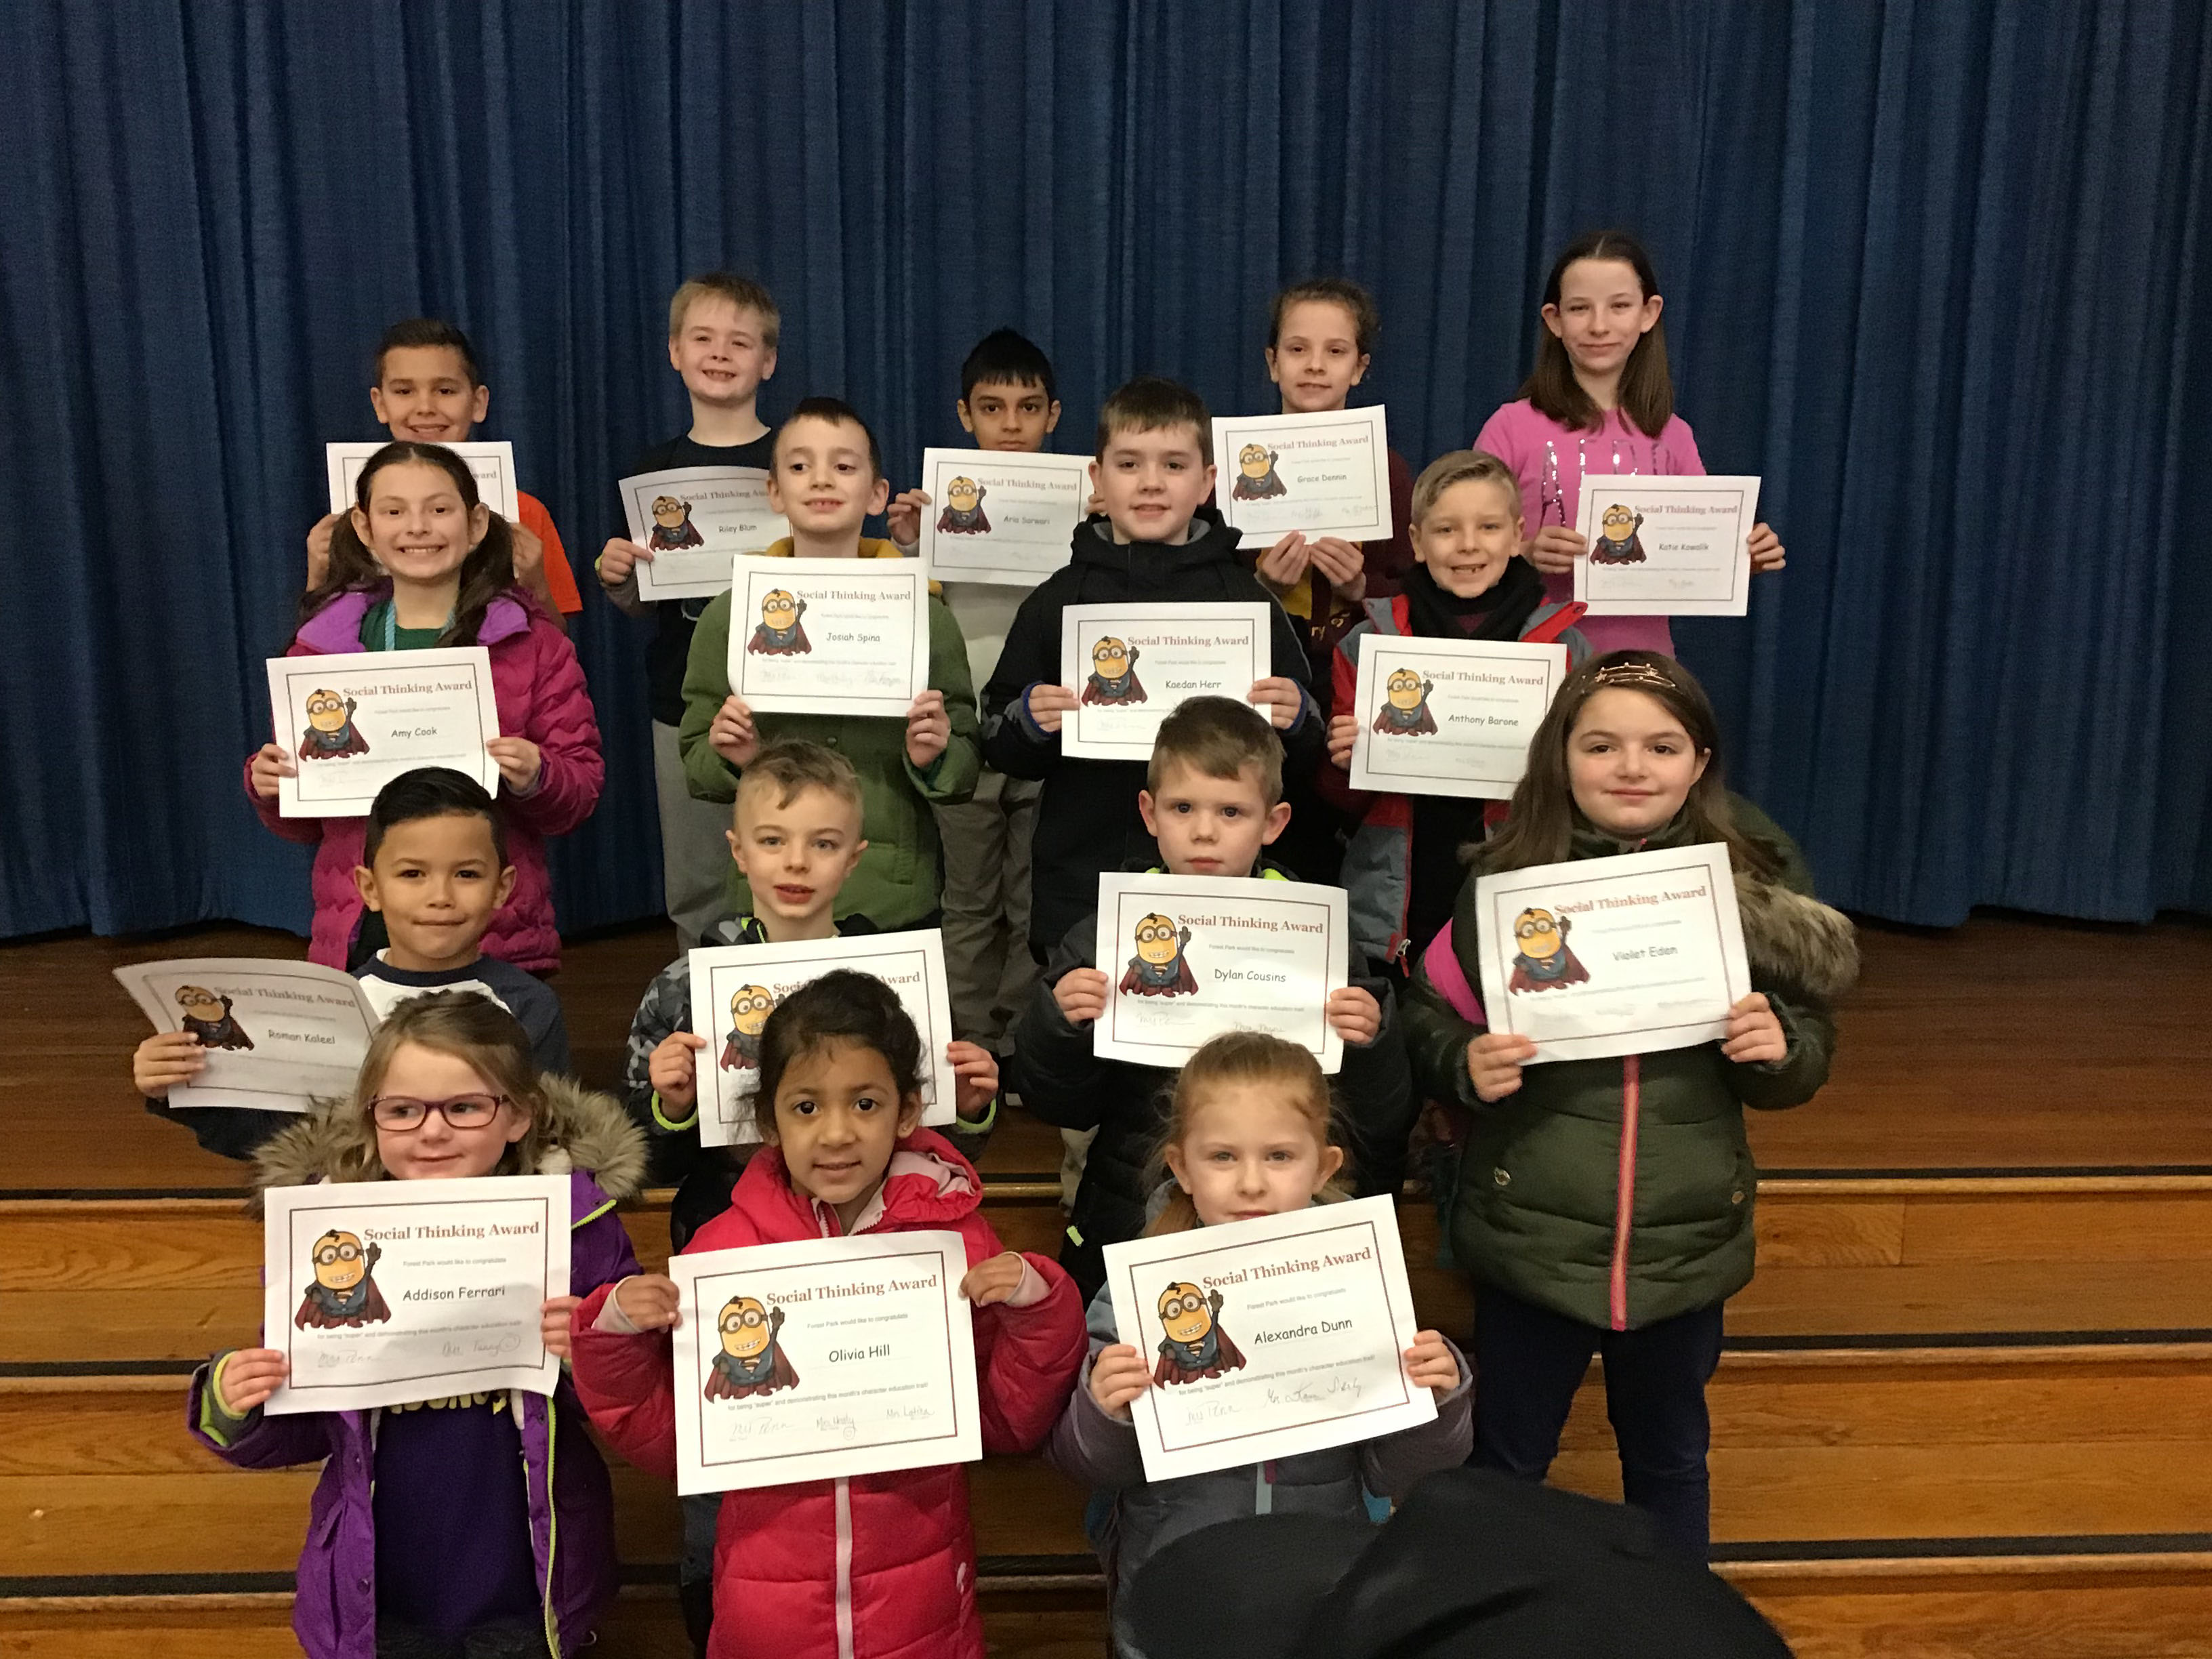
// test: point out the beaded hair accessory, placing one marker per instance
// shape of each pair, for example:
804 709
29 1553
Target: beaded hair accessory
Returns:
1640 675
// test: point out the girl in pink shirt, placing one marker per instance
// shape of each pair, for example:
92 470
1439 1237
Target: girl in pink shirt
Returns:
1599 401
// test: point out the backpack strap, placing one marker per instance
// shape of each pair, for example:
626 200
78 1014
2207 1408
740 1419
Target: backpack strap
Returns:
1441 962
1561 618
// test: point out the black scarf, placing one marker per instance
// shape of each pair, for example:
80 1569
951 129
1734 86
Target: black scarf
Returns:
1500 612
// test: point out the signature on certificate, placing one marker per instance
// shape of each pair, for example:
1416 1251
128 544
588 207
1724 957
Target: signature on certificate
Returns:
1337 1390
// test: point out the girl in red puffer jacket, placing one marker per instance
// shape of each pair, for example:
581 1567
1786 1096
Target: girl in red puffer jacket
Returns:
876 1566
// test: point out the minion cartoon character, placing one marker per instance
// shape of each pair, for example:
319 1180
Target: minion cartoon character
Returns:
671 526
751 1360
1113 674
780 634
750 1007
1159 969
1405 709
330 731
1617 541
963 509
343 1292
1543 962
1195 1346
1256 478
207 1016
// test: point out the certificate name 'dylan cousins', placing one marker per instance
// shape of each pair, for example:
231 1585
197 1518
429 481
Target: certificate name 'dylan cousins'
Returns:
999 517
1131 666
277 1035
694 519
1613 956
1666 546
1269 1338
823 1358
1323 475
1188 957
385 1292
1449 717
735 987
352 723
491 463
843 636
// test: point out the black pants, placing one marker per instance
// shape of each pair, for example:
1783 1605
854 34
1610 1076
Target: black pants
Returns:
1528 1362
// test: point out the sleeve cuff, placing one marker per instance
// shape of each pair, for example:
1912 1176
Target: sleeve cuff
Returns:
976 1126
1032 1290
216 1424
663 1120
612 1320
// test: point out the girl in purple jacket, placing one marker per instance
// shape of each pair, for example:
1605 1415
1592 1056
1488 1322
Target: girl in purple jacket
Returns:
481 1526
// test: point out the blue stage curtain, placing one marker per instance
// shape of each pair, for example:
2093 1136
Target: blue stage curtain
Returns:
1938 272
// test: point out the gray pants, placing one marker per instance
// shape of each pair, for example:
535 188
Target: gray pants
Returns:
986 904
694 859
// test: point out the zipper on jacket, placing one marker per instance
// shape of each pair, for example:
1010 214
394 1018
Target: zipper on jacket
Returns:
844 1568
552 1511
1624 1202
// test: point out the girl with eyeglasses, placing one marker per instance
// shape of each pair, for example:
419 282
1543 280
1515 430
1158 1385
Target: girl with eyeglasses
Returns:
479 1527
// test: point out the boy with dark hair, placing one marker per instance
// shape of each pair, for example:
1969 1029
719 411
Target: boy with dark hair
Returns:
425 386
1153 469
722 335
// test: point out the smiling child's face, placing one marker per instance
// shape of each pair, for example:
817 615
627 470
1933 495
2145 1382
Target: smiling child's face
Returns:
1466 538
721 350
823 480
425 395
1315 360
1150 484
433 1150
416 523
437 882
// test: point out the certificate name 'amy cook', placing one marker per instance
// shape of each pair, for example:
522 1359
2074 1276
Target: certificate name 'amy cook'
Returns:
1269 1338
277 1035
385 1292
1614 956
735 987
1449 717
1322 475
1188 957
1132 665
694 520
829 636
1663 546
998 516
491 462
823 1358
352 723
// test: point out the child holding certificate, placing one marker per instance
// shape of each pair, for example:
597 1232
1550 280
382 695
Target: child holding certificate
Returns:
872 1562
1403 868
420 561
1599 401
1568 1164
1214 798
1249 1135
444 1526
828 477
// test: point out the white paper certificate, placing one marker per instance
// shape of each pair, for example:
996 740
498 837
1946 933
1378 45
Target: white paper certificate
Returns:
1662 546
734 988
1269 1338
1618 956
829 636
1449 717
695 519
1132 665
383 1292
354 723
1323 475
1188 957
493 463
824 1357
999 517
278 1036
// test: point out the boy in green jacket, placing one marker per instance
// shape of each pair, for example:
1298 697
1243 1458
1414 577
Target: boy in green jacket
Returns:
826 477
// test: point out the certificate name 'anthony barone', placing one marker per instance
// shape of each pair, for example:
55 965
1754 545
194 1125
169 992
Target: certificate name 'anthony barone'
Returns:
1449 717
1132 665
823 1358
386 1292
735 987
694 519
491 462
829 636
1188 957
1269 1338
1666 546
998 516
354 722
277 1035
1613 956
1321 475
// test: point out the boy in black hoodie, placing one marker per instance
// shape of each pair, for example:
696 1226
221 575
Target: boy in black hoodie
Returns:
1153 469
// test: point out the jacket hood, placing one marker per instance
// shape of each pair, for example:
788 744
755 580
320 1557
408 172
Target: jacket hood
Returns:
870 548
928 1185
335 630
581 1129
1094 544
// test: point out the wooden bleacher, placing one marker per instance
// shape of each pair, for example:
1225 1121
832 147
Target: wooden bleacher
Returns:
1966 1408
